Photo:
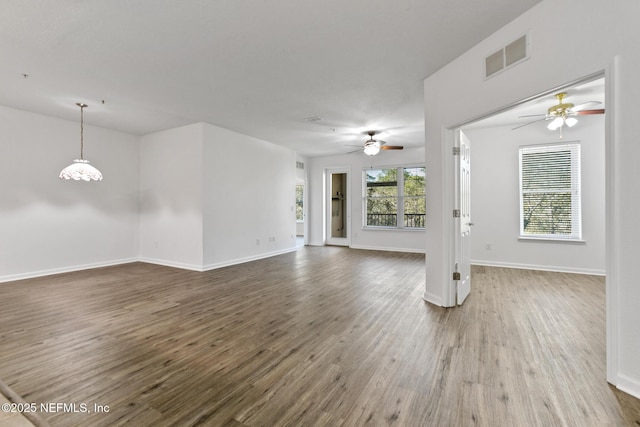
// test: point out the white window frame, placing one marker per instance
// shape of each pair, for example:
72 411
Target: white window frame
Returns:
301 204
576 193
399 199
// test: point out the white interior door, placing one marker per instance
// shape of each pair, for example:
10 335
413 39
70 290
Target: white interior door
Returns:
463 219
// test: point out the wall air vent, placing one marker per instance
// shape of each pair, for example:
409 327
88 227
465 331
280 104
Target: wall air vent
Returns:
299 165
510 55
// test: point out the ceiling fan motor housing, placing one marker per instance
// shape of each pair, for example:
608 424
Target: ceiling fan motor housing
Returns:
560 109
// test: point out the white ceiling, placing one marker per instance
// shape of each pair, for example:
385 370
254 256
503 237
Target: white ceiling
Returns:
257 67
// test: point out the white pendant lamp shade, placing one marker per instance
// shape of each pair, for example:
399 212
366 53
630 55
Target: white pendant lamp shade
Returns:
555 123
80 169
570 121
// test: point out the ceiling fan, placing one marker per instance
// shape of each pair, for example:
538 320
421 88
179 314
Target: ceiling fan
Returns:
563 113
373 146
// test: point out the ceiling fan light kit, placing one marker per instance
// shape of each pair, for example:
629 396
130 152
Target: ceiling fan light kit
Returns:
563 113
373 146
555 123
80 169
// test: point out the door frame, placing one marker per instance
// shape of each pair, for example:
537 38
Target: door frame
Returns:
305 223
337 241
611 222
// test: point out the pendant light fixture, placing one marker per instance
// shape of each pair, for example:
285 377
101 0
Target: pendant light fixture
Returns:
80 169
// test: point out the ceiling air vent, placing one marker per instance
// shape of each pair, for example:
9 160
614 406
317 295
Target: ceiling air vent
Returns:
510 55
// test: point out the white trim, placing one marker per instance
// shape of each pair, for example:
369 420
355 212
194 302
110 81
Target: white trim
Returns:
337 241
402 229
305 208
168 263
545 150
378 248
432 299
247 259
553 268
400 197
612 209
40 273
449 140
541 239
628 385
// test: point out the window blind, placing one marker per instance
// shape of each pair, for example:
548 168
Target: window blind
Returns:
550 205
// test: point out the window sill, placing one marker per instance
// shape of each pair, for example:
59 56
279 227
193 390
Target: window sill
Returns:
368 228
551 240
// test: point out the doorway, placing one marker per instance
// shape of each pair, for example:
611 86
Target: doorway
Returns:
496 199
337 201
300 213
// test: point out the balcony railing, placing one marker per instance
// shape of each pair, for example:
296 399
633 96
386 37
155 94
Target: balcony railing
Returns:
390 220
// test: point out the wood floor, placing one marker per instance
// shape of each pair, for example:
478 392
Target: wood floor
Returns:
324 336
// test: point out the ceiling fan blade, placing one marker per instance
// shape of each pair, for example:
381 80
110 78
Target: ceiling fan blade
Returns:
530 123
586 112
391 147
532 115
584 105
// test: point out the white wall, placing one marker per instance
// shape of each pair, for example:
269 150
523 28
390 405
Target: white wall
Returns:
48 225
194 197
249 198
562 51
171 224
355 163
495 199
210 197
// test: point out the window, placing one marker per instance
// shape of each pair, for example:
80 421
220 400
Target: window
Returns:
299 202
550 191
394 197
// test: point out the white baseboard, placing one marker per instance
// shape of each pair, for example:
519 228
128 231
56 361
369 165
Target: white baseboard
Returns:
164 262
68 269
628 385
378 248
595 272
247 259
169 263
432 299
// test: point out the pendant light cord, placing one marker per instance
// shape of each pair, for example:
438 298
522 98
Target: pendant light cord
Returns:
82 130
81 105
